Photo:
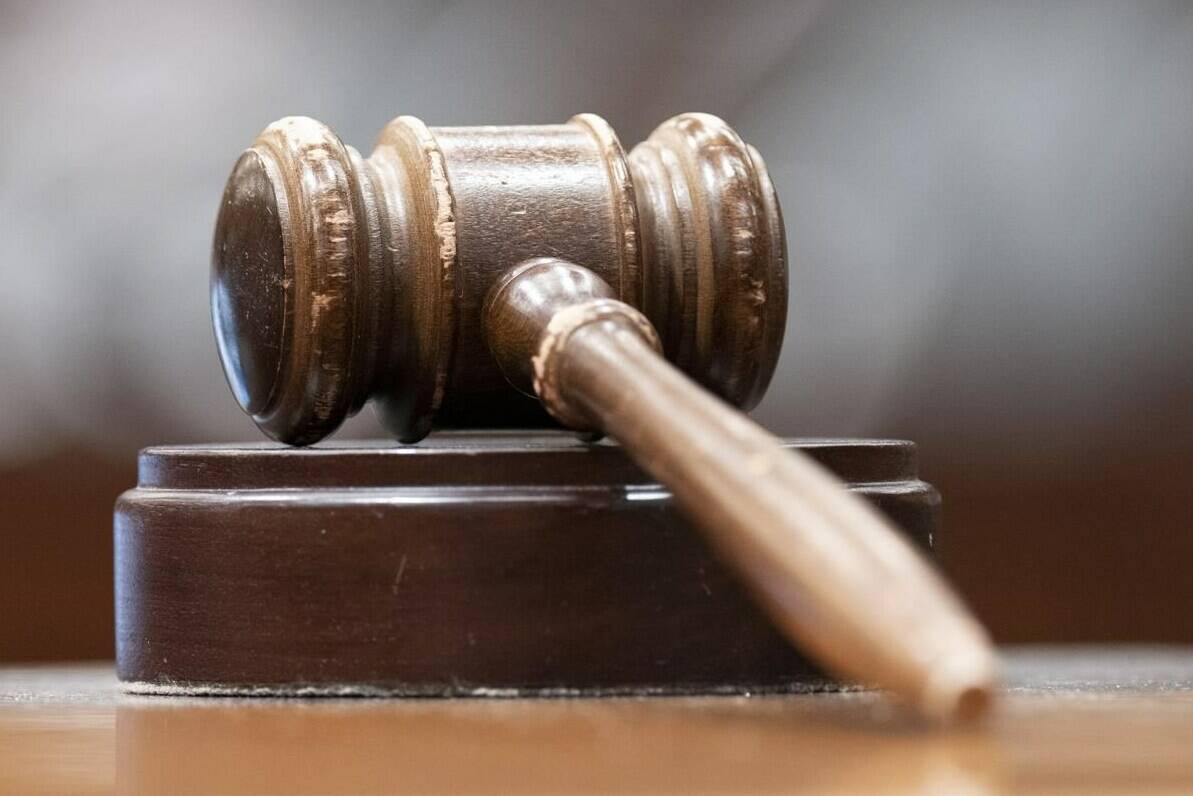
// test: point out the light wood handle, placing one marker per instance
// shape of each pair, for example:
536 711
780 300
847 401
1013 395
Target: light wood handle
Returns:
830 570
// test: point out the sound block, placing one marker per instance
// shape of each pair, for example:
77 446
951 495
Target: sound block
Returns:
490 564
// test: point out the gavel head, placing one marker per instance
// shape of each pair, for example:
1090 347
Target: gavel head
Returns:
338 278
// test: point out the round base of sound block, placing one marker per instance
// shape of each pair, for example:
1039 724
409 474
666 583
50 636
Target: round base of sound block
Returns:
481 564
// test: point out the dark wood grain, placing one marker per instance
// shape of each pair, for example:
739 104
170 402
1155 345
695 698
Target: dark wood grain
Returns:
484 561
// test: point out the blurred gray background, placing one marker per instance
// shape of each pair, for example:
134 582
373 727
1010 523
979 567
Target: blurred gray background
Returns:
990 220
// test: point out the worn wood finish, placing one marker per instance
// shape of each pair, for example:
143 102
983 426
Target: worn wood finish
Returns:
498 562
338 278
1076 720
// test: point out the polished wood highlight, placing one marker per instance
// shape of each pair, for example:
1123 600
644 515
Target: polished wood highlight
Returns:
473 562
1076 720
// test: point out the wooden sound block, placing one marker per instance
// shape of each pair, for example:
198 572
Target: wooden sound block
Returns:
496 563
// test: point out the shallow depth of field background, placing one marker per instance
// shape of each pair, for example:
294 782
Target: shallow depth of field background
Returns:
990 221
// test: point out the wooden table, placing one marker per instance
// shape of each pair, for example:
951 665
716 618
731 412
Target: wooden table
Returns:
1104 720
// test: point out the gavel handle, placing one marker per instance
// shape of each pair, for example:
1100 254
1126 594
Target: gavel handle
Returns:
831 571
834 575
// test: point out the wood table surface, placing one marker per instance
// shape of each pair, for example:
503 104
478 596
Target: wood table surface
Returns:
1072 719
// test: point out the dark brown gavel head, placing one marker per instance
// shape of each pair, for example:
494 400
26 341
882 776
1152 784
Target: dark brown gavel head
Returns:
338 278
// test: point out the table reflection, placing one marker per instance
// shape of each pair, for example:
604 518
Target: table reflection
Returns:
1070 721
828 743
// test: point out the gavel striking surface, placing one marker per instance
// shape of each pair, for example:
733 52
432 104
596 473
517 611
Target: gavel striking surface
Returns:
498 563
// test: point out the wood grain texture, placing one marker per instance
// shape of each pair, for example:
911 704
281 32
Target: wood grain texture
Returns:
482 561
1074 720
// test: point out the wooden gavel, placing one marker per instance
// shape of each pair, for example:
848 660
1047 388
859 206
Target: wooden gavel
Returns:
642 296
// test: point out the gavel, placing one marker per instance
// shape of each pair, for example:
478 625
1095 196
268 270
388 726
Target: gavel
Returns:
458 273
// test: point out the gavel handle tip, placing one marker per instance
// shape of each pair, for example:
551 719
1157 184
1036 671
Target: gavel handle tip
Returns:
961 691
